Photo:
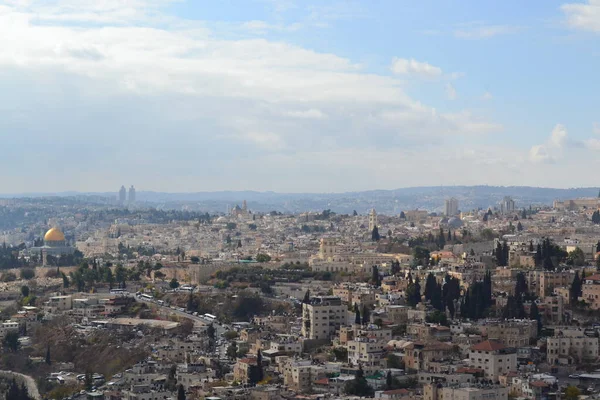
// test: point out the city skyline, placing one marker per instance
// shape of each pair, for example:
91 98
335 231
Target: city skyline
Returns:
183 96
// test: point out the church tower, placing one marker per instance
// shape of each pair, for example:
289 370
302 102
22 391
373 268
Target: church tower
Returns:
372 220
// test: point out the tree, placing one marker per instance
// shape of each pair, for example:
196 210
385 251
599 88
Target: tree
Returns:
375 279
534 313
389 381
27 274
306 299
210 332
11 342
514 308
260 373
25 291
180 392
359 385
232 351
354 213
421 255
65 280
174 284
375 234
575 291
366 315
195 259
88 381
16 392
261 258
413 293
402 215
357 318
48 360
441 239
576 257
519 226
430 286
437 317
520 285
395 268
191 304
572 392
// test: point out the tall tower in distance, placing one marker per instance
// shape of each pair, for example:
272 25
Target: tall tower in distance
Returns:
131 199
507 205
372 220
451 207
122 195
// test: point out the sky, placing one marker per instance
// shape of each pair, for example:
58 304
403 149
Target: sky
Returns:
297 95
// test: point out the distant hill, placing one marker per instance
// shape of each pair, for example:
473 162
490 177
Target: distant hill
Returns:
384 201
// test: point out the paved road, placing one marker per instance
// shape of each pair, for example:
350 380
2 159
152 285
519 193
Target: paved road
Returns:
29 383
198 319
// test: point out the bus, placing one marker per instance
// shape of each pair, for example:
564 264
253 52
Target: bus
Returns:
210 317
119 291
145 296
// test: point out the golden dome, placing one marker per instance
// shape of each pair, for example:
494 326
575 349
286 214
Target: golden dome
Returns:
54 235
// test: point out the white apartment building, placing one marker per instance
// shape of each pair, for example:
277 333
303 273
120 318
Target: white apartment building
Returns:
322 317
59 303
369 353
493 358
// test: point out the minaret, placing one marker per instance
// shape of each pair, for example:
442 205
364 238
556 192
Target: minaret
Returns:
372 220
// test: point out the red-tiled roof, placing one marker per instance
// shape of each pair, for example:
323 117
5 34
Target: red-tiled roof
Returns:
250 361
488 345
595 277
323 381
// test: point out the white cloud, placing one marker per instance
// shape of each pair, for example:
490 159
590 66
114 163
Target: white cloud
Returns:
312 113
552 149
487 96
403 66
539 154
450 91
133 85
584 16
481 31
593 144
558 136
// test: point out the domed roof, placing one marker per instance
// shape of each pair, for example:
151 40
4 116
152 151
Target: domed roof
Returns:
455 222
54 235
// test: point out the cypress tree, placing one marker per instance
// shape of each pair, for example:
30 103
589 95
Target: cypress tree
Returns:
430 286
375 276
306 299
465 307
534 313
180 393
365 315
575 289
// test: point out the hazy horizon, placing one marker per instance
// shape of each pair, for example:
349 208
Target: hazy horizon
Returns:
138 190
